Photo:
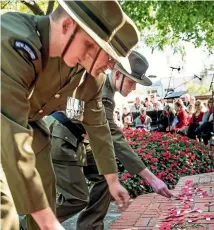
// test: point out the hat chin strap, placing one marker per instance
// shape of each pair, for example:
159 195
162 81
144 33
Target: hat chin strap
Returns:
121 84
69 42
95 59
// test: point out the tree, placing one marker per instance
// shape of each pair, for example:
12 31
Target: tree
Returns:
29 6
198 88
169 22
161 22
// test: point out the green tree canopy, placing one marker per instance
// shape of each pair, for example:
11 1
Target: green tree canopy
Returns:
168 22
160 22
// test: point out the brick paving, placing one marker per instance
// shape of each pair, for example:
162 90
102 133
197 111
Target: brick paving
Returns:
147 211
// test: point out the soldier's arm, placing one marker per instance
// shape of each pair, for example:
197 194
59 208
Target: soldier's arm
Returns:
131 161
97 127
99 134
18 159
123 151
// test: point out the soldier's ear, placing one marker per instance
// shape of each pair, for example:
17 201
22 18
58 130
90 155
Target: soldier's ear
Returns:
68 24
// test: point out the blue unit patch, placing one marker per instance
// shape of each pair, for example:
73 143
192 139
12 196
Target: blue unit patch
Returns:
28 49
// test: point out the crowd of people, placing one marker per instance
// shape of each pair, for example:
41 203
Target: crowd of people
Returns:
189 117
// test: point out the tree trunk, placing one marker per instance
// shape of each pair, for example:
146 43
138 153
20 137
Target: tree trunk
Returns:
50 7
33 7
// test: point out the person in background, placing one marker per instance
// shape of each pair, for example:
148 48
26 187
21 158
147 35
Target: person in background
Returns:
196 120
148 104
117 116
135 108
143 121
126 117
181 118
163 101
190 109
192 100
186 100
166 118
204 130
157 105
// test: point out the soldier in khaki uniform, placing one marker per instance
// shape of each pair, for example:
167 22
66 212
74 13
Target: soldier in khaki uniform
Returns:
68 153
40 57
74 192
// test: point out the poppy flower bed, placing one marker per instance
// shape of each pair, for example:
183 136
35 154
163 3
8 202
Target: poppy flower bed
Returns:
168 156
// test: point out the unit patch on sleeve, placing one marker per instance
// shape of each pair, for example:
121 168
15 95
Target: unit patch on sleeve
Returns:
28 49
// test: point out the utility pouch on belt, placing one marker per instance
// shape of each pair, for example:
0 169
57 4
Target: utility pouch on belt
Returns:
67 145
76 129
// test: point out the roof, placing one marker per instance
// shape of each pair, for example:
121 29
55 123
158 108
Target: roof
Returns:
175 94
157 83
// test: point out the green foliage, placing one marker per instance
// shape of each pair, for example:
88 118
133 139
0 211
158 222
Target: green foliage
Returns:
167 22
196 88
30 6
161 22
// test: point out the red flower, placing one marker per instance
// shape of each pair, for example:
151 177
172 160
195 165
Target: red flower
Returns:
153 167
166 154
153 160
188 182
184 169
192 157
187 150
183 153
174 164
165 226
126 176
148 156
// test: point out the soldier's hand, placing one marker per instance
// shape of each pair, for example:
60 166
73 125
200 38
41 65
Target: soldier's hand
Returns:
118 192
46 220
160 188
120 195
158 185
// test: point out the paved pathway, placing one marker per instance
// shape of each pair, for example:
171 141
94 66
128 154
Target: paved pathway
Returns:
112 215
147 212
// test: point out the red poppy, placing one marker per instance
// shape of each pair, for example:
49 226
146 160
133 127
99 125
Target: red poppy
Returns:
165 226
153 160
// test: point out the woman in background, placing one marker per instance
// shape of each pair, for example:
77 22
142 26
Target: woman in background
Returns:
181 117
166 118
126 118
196 120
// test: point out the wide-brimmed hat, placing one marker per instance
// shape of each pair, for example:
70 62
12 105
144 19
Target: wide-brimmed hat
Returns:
126 38
99 19
139 66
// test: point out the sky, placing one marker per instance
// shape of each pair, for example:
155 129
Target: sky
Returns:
195 60
193 63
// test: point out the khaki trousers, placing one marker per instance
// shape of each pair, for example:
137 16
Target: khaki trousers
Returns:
74 195
42 148
9 216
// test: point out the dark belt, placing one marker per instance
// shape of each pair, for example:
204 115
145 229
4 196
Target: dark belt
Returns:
76 129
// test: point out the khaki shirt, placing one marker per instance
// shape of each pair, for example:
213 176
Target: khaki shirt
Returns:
34 85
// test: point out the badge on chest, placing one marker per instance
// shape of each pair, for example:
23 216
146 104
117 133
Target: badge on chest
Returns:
75 108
